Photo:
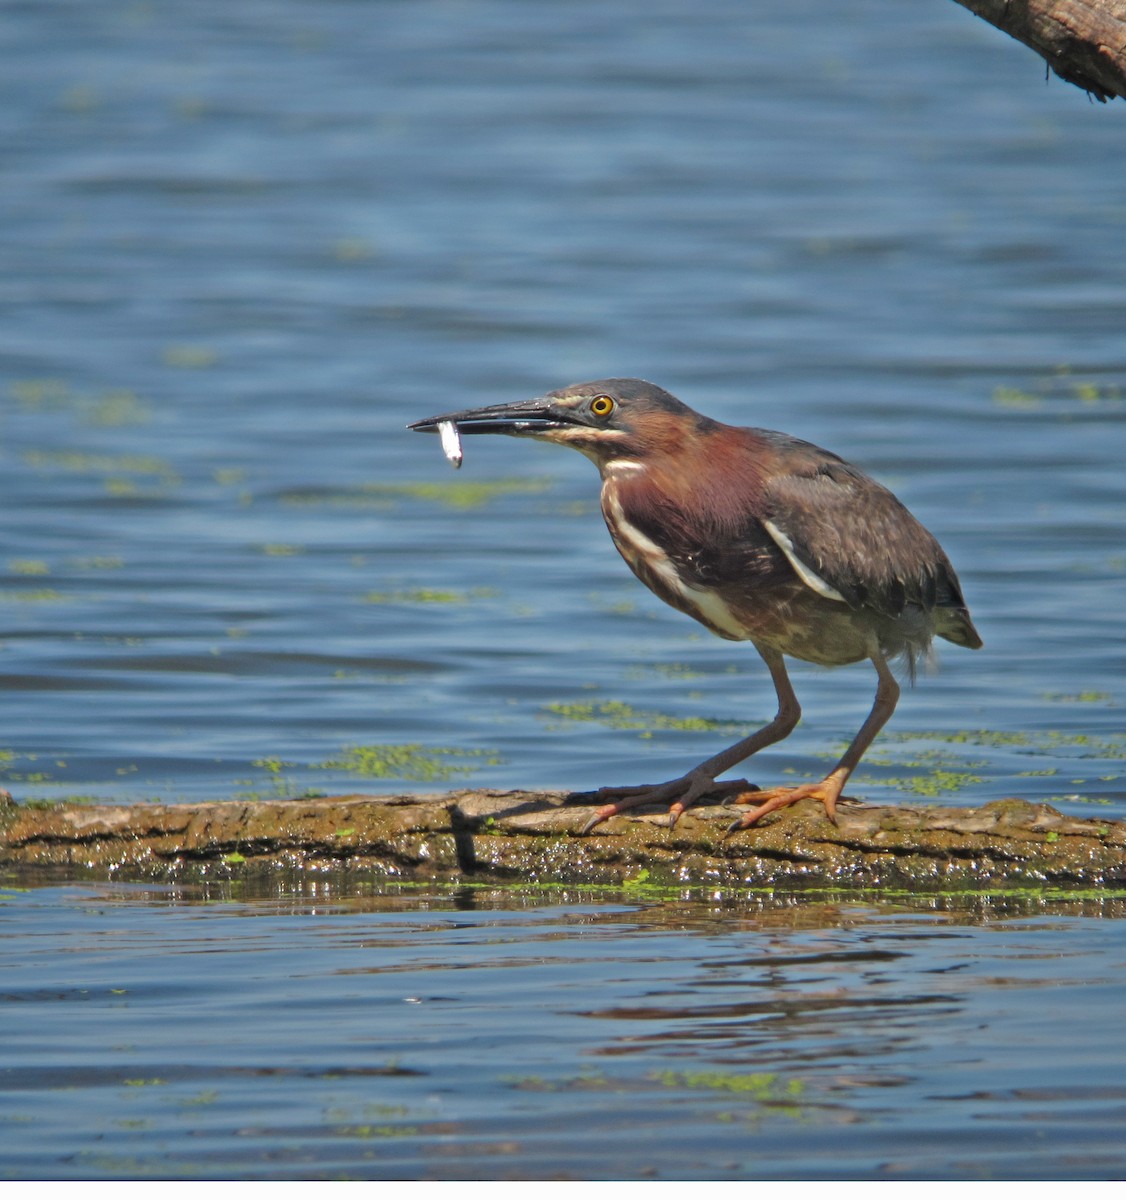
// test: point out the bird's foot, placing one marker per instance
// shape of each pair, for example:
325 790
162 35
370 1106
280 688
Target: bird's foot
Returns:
683 792
827 790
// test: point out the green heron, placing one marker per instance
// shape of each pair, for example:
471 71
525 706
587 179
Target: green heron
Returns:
762 538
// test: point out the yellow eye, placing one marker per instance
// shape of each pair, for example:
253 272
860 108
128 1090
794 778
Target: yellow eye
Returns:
602 406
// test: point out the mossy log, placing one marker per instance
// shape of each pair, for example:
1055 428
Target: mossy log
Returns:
530 837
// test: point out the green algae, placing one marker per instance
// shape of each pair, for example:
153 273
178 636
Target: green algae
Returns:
115 409
674 671
30 596
455 494
411 761
189 357
102 562
39 393
428 596
933 784
615 714
1061 393
1043 741
1011 397
80 461
764 1086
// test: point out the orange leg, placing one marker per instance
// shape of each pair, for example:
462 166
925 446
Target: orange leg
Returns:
701 780
829 789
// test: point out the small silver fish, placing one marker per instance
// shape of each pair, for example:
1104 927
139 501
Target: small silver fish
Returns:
451 442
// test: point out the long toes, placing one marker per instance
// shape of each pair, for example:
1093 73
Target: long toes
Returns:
631 798
676 811
682 792
750 818
768 802
596 819
637 797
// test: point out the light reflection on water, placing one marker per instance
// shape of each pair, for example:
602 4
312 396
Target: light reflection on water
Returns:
441 1034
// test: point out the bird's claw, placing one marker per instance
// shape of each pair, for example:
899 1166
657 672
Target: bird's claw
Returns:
595 820
767 802
686 790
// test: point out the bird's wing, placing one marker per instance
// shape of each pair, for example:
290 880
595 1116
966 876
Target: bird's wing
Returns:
851 540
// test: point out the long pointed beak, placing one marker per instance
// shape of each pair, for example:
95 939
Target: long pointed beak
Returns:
527 417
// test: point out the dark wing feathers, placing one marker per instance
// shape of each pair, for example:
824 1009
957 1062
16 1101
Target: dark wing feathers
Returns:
857 537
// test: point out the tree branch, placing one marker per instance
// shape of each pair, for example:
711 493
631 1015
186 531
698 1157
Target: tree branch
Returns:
1083 41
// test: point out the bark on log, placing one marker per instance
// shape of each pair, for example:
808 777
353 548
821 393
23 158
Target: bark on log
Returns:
529 837
1083 41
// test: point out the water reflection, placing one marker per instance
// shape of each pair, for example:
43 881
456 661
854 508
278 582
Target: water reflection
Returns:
572 1032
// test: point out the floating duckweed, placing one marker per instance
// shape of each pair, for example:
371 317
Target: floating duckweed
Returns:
618 715
933 757
99 562
1088 392
39 393
411 761
934 783
1010 397
30 596
1093 393
453 494
79 461
427 596
122 487
189 357
368 1132
117 408
668 670
275 766
1036 742
352 249
762 1086
28 566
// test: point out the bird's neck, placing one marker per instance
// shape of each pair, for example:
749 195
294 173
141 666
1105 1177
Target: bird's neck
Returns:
711 482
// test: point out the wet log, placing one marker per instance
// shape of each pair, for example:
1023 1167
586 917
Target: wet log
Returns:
530 837
1082 41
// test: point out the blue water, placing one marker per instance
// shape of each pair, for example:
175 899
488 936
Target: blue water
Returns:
244 245
311 1034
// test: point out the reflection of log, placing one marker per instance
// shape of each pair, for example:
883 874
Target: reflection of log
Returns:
1083 41
529 837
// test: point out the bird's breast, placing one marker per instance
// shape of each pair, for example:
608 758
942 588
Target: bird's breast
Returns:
657 570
